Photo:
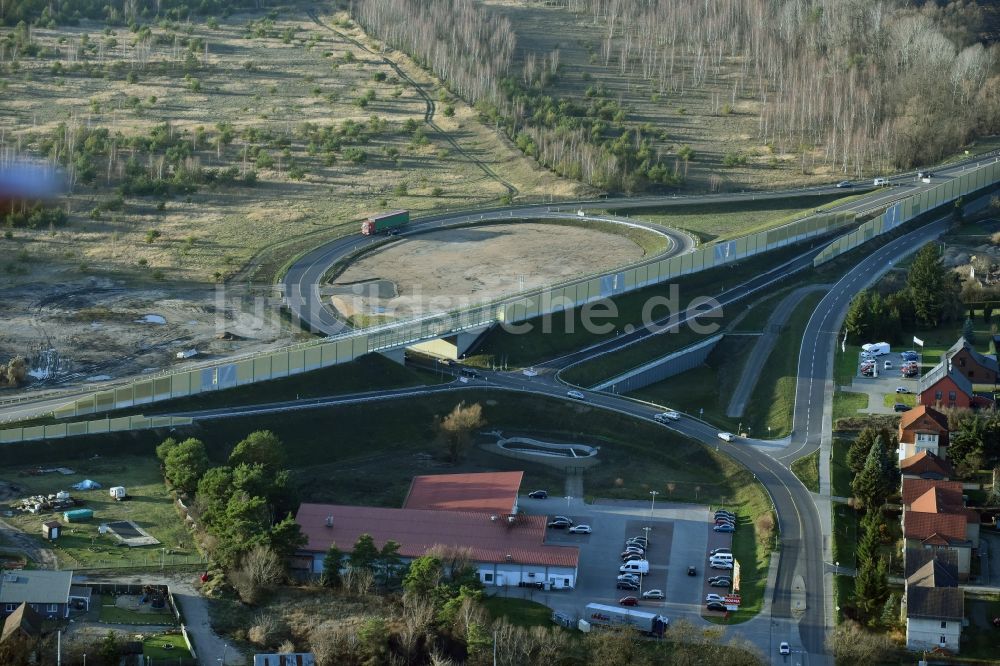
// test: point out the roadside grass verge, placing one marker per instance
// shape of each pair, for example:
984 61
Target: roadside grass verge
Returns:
845 365
153 647
908 399
705 391
840 473
769 410
760 311
807 469
80 545
844 591
725 220
518 612
845 534
563 332
846 405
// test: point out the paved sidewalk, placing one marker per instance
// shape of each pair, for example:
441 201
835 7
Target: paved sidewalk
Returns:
764 346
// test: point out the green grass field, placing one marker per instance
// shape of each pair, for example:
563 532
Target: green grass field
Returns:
845 534
846 405
908 399
519 612
111 614
154 647
769 410
807 469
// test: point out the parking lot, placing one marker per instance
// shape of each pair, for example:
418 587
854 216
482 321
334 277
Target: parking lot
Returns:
880 381
680 535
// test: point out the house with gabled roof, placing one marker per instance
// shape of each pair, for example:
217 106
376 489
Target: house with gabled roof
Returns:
925 465
936 519
977 368
934 607
943 386
24 622
923 428
47 592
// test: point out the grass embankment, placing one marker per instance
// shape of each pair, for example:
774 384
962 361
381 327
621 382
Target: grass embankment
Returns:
840 473
651 243
80 546
770 408
807 469
563 332
759 312
724 220
704 391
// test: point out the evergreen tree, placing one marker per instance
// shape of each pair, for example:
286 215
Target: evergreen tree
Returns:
968 332
871 486
926 285
185 464
856 322
365 554
332 562
890 612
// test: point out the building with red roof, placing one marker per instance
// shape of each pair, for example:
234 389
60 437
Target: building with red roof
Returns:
925 465
935 518
923 428
472 514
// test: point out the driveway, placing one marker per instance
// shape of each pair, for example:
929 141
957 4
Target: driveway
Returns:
28 545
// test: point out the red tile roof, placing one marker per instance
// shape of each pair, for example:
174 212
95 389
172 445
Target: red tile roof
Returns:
490 492
925 462
946 526
914 488
912 415
418 530
938 500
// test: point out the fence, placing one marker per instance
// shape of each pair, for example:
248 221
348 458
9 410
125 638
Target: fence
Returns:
905 210
148 561
348 346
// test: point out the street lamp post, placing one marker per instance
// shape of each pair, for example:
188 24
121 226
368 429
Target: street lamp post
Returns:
652 502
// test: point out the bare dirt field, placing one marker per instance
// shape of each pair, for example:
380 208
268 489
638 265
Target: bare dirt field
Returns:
445 269
78 289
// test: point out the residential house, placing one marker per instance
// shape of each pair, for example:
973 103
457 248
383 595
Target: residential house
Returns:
925 465
24 622
978 368
923 428
936 519
47 592
945 386
934 607
474 513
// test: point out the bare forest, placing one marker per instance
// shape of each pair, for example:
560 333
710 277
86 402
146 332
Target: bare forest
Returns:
858 86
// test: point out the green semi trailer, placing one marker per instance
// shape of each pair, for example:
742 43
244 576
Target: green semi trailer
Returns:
385 222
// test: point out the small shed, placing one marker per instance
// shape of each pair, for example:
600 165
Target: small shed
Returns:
78 515
51 529
118 492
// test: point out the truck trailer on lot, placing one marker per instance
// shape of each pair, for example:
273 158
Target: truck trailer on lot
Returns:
385 222
613 616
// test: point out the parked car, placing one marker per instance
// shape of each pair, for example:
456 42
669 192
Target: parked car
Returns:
631 557
715 606
538 494
726 436
784 648
724 519
559 524
714 597
724 528
637 541
653 594
716 551
909 356
845 183
627 585
723 512
581 529
563 619
722 565
719 581
628 601
692 571
900 407
887 365
576 395
631 578
565 519
902 389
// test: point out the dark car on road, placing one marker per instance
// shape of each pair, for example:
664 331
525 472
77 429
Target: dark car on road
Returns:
559 524
720 582
692 571
900 407
628 601
625 585
538 494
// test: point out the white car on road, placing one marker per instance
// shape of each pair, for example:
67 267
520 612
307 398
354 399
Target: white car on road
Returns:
576 395
726 436
667 415
652 594
580 529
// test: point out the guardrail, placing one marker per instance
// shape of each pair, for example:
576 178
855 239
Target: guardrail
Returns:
906 209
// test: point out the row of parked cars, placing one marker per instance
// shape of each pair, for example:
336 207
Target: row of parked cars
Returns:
725 521
634 566
565 523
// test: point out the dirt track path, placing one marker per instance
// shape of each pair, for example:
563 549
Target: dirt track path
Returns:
28 545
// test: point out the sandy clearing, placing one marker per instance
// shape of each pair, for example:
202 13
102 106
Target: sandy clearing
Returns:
445 269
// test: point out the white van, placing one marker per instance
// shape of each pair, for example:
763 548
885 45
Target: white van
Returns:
880 182
635 567
721 557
